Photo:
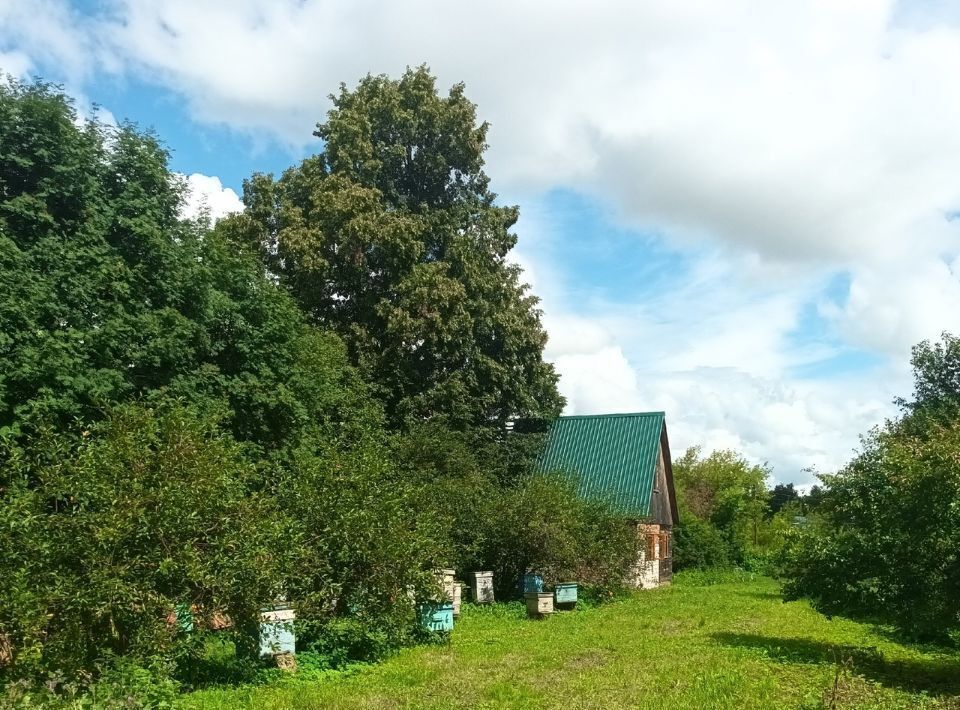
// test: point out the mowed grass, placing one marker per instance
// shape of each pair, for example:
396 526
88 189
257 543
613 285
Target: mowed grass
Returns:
732 644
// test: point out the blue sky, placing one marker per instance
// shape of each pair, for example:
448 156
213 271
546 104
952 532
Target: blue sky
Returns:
737 215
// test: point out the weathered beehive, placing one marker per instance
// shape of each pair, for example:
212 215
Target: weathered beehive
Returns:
539 604
565 595
482 588
457 597
445 577
276 630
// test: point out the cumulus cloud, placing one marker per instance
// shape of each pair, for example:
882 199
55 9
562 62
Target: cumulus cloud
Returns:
206 194
51 33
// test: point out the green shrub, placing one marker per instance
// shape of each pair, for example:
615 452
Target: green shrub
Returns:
102 539
363 543
543 524
699 545
885 548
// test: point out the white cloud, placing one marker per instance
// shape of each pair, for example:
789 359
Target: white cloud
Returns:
718 351
207 193
16 64
50 32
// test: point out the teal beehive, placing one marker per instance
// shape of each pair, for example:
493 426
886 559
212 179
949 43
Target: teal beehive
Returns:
436 616
565 595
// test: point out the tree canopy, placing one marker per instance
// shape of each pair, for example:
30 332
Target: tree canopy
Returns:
108 295
391 237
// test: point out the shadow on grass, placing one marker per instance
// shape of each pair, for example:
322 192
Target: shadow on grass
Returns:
766 596
934 675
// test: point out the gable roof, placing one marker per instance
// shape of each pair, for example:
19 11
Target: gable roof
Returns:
614 455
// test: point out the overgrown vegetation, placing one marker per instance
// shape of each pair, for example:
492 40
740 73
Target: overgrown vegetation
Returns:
885 545
728 516
306 401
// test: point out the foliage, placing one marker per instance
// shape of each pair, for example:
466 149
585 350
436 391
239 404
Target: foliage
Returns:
106 295
502 516
936 384
110 298
885 541
543 524
722 491
362 538
888 546
699 545
392 237
102 540
780 496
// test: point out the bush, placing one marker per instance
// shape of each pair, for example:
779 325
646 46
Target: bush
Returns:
699 545
362 540
102 539
498 514
543 524
886 546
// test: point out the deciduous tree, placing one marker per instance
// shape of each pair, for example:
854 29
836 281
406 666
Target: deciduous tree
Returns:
392 237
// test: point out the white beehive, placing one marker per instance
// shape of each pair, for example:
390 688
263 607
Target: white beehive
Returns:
457 597
482 588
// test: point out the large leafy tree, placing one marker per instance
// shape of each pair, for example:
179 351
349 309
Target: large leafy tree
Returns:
107 294
172 428
392 237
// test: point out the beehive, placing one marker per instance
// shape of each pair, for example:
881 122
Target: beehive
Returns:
532 582
445 577
539 604
436 616
457 597
565 595
276 630
482 588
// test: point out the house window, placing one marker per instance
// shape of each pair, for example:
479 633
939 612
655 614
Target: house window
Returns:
665 550
652 547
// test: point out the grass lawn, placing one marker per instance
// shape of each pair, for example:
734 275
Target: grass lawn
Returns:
731 644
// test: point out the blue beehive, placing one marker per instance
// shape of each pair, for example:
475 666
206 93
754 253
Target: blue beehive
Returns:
436 616
276 630
565 594
532 582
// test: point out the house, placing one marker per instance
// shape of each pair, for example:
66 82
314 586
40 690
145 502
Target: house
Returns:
624 458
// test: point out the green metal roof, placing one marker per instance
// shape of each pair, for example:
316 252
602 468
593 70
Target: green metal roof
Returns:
614 455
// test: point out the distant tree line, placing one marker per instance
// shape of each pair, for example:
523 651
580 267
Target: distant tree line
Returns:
728 515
